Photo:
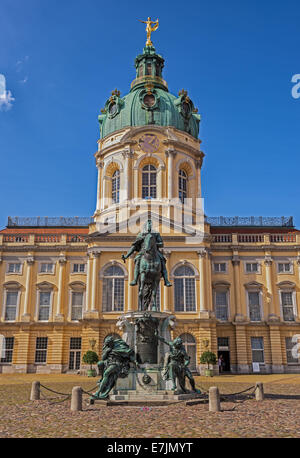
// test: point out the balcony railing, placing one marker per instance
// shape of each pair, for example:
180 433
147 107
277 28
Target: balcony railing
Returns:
256 238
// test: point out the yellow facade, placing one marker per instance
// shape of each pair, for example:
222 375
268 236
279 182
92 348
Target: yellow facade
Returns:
111 234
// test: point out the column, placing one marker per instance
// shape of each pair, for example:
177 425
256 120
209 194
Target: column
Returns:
126 191
26 315
237 288
166 297
99 195
270 312
170 154
136 183
160 182
95 255
198 166
202 254
59 313
131 289
88 282
241 349
276 350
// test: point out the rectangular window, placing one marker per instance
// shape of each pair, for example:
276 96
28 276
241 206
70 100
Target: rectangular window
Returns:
75 343
254 306
257 347
289 345
284 267
44 305
77 304
47 268
78 268
221 305
14 268
287 305
41 349
251 267
7 351
220 266
11 305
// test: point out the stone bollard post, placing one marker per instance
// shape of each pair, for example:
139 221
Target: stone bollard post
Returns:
35 391
76 400
214 399
259 391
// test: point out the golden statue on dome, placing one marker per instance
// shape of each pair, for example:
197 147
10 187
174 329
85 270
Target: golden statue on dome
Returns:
150 29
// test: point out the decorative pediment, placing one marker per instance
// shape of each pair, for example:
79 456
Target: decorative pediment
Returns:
77 285
12 285
253 284
286 285
45 285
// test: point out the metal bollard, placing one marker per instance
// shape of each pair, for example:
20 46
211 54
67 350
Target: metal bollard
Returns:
35 391
76 400
214 399
259 391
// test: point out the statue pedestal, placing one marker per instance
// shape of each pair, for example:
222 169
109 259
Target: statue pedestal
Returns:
139 333
145 384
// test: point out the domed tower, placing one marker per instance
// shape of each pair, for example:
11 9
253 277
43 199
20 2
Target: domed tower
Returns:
149 151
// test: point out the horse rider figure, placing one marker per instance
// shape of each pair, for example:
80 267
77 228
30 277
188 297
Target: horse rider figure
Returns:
138 246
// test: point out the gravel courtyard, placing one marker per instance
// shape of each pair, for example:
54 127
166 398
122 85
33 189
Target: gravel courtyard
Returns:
275 417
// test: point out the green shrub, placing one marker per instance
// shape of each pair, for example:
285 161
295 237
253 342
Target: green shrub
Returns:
90 357
208 357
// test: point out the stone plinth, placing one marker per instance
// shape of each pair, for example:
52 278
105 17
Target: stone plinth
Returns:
128 323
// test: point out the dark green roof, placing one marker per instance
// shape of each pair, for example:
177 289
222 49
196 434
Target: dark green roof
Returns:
149 102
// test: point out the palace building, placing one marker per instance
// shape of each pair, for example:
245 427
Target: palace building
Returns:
236 281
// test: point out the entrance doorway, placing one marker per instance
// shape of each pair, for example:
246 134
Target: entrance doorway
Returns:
223 349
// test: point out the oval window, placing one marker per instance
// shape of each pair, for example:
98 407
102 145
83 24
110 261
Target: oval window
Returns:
149 100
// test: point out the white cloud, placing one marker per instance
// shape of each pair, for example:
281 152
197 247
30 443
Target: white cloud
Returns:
6 97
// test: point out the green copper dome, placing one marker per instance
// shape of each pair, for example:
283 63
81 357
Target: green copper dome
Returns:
149 102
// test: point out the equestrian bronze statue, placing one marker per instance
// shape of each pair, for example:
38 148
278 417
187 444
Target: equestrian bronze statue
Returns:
150 266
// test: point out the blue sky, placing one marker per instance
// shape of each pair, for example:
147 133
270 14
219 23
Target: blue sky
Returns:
62 58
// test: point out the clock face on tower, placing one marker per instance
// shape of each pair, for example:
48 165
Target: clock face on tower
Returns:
149 143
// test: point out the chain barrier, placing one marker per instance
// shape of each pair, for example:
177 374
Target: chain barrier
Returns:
53 391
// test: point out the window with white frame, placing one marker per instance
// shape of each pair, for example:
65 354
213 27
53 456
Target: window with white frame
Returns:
14 267
44 298
289 345
182 185
11 302
78 268
221 305
220 267
41 349
257 348
149 182
7 351
284 267
113 289
287 305
47 268
254 305
184 289
115 186
252 267
76 305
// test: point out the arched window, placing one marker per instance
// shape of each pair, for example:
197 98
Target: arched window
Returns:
115 187
182 185
189 344
184 289
149 182
113 289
